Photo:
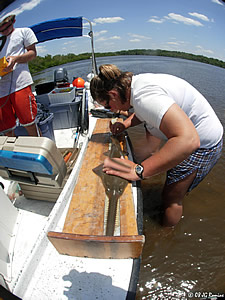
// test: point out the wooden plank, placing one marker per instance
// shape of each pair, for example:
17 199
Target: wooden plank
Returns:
86 211
104 247
128 222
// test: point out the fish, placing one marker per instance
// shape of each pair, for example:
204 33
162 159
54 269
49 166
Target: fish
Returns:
114 187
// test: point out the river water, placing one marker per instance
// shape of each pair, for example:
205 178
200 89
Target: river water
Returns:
190 257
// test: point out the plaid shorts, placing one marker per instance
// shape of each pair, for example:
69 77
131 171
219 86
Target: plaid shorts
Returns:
202 161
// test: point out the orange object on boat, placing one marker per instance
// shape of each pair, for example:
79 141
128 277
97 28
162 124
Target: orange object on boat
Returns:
78 82
67 156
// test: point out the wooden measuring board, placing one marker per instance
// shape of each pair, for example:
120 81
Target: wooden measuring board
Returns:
83 233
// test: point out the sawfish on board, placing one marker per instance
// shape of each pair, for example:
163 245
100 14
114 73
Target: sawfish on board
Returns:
114 185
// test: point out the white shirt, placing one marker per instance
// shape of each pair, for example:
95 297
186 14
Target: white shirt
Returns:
153 94
20 77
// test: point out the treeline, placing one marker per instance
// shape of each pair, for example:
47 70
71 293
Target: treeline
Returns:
42 63
177 54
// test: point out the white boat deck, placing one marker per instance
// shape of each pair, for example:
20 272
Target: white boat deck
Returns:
37 271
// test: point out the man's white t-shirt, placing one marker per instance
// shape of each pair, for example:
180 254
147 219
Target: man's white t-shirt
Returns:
153 94
20 77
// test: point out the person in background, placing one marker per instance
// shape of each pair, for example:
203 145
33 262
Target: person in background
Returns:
173 111
16 97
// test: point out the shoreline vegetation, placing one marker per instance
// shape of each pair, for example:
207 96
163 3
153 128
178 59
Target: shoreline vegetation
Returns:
41 63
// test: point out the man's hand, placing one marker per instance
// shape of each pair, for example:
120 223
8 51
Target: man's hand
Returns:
121 167
11 62
20 59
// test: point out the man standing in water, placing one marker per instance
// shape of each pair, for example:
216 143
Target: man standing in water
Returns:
174 112
16 97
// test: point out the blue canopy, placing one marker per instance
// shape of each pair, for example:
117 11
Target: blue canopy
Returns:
58 28
61 28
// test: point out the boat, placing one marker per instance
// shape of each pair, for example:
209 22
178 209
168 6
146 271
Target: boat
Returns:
56 239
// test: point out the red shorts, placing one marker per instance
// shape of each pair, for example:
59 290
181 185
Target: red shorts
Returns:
21 105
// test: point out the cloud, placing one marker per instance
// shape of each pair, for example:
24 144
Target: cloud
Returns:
108 20
217 2
115 37
173 43
98 33
29 5
41 49
135 40
140 37
199 16
182 19
204 50
156 20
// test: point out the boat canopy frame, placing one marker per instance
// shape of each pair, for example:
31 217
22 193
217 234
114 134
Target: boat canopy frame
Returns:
64 28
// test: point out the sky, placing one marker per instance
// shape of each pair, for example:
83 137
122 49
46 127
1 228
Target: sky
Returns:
193 26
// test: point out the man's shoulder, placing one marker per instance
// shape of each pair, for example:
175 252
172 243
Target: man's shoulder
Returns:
23 29
27 34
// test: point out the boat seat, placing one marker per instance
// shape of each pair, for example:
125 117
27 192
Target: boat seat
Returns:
83 234
34 162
